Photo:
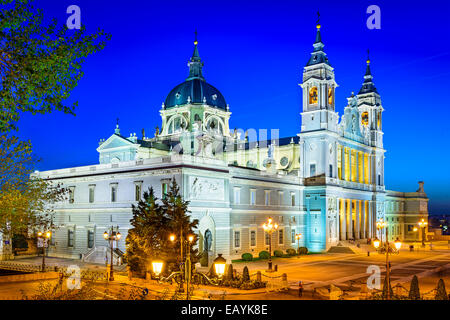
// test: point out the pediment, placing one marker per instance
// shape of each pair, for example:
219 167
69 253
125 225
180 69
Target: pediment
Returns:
114 142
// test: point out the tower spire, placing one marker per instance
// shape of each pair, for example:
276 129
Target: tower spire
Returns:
195 63
368 85
117 130
318 55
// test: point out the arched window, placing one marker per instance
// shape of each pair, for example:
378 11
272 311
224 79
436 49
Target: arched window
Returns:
313 95
176 125
214 124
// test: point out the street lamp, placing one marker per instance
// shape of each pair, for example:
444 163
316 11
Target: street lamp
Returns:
219 265
187 264
44 237
270 228
111 236
298 236
386 249
157 267
423 224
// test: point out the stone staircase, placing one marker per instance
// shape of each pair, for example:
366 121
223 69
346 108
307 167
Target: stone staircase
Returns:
102 255
356 247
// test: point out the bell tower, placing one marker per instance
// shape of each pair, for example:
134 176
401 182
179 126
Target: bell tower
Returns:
318 88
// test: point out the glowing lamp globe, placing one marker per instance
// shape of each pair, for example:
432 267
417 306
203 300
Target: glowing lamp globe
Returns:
376 243
105 235
398 244
157 266
219 265
172 237
118 235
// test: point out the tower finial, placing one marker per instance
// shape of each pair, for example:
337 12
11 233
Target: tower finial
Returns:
195 64
195 41
368 57
117 131
318 20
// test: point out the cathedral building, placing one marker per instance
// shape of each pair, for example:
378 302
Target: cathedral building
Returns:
326 183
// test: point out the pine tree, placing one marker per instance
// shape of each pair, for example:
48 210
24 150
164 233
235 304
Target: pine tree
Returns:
441 293
180 224
414 292
148 238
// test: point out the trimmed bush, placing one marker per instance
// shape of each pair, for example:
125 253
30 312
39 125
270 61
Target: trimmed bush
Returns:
264 255
204 259
303 250
441 293
245 275
229 272
414 292
247 257
291 252
278 253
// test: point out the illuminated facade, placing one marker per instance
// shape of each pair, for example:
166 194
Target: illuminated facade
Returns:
326 183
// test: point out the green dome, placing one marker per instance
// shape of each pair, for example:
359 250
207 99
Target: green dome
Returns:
195 91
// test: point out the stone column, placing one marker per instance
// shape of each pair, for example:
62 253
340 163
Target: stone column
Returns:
357 219
349 219
342 219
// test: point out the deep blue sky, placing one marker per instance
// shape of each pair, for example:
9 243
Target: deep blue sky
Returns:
254 52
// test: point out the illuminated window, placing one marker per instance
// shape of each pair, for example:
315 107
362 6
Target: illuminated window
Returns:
365 118
313 95
353 160
339 161
280 236
252 197
330 96
346 165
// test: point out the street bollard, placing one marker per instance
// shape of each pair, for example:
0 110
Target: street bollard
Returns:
258 276
276 268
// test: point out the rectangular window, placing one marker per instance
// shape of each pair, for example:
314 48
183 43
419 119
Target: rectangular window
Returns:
353 164
410 227
137 191
280 198
113 192
253 238
70 238
90 239
312 170
331 171
237 239
293 199
91 194
252 197
280 236
292 235
267 239
164 190
267 197
346 165
237 195
71 194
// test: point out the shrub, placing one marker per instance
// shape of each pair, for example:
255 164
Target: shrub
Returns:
229 272
414 293
441 293
278 253
303 250
247 257
264 255
245 275
291 252
204 259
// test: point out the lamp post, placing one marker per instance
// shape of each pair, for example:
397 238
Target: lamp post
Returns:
423 224
44 237
298 236
187 264
386 249
270 228
111 236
